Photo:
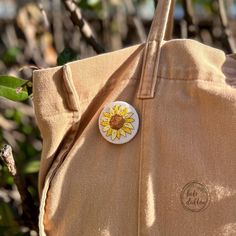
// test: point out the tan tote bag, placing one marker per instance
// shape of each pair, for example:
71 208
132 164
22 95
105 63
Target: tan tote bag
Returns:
140 141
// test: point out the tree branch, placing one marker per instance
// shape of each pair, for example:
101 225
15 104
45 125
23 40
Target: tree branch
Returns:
155 3
29 209
225 24
189 18
45 18
85 29
137 21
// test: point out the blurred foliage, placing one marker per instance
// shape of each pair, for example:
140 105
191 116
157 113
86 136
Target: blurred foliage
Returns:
90 5
26 41
10 55
21 132
67 55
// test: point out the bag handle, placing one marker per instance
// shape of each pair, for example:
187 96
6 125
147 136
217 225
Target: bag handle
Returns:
170 22
160 30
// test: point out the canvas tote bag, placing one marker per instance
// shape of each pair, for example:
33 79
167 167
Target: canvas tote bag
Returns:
177 174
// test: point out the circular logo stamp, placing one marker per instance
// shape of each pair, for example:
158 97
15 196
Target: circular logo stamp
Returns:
195 197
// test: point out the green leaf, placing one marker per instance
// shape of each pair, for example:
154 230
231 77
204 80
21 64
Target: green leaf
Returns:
8 225
31 167
11 88
67 55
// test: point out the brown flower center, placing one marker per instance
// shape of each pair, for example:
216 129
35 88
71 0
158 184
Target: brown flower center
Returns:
117 122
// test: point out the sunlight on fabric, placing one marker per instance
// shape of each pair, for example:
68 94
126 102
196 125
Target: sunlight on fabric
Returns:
63 173
105 232
220 192
150 209
227 230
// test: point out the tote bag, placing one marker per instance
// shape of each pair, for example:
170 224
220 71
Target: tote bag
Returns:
140 141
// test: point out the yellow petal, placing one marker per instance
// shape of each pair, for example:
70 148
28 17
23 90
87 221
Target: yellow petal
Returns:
113 135
112 112
105 119
118 134
129 120
107 114
124 111
116 109
128 115
128 125
120 109
104 123
106 128
122 132
109 132
127 130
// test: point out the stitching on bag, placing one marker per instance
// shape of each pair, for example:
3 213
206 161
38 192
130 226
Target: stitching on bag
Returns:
218 84
192 79
70 89
147 87
67 84
109 88
140 168
150 85
72 96
142 90
59 113
154 82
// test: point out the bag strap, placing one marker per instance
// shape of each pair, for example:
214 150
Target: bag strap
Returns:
160 30
170 22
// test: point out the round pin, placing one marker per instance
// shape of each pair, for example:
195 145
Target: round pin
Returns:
118 122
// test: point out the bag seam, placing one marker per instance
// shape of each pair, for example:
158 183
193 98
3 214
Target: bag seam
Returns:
219 83
67 145
140 168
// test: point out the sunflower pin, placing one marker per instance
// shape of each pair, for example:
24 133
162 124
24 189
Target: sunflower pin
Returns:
118 122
